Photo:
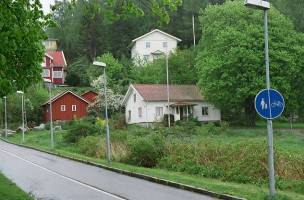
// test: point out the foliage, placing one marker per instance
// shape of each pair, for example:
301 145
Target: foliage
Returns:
230 59
146 151
22 26
89 145
113 99
181 69
79 130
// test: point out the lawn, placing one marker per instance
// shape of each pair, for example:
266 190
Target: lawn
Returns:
9 190
286 144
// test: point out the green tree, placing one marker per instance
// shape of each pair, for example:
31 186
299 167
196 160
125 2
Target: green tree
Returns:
22 26
231 57
181 69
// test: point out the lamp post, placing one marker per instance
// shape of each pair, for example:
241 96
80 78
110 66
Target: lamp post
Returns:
103 65
168 90
22 104
5 116
265 6
49 84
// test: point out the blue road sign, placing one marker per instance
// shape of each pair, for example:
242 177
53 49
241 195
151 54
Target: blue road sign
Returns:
269 104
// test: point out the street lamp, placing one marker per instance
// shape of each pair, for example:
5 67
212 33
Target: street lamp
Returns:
22 104
49 84
168 90
265 6
103 65
5 116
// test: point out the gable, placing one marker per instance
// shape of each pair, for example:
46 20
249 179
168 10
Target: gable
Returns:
157 35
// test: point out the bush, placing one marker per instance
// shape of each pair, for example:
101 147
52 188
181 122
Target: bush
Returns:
146 151
89 146
80 129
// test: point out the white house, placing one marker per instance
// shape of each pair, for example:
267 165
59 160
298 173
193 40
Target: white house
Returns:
152 45
147 103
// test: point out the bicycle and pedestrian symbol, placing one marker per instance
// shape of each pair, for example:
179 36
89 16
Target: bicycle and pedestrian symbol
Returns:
269 104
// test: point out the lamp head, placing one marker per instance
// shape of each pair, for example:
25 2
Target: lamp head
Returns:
257 4
101 64
19 92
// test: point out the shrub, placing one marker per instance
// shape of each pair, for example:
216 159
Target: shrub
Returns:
89 146
146 151
80 129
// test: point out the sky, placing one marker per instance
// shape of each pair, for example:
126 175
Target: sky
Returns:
46 5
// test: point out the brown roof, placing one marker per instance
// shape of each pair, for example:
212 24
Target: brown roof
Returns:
178 93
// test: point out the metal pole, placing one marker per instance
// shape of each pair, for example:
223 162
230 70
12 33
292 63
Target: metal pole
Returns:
168 91
193 27
5 116
51 119
22 117
269 122
107 120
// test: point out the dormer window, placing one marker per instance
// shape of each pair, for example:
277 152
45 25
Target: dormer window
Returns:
148 45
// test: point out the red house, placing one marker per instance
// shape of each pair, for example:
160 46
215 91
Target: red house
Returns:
54 65
65 106
90 96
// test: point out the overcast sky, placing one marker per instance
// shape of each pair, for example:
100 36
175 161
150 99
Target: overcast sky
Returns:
46 5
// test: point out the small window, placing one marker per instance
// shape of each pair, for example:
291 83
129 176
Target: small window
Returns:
140 112
129 116
57 74
148 45
159 111
134 98
165 44
205 111
46 73
74 108
62 108
177 110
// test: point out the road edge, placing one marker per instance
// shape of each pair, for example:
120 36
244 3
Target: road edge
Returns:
136 175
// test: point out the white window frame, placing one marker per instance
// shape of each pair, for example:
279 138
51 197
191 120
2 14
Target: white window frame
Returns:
63 108
205 110
46 73
57 74
74 108
159 111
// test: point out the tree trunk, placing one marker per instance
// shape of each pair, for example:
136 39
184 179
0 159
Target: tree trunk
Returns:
250 113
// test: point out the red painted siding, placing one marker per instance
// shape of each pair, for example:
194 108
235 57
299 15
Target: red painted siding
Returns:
68 100
90 96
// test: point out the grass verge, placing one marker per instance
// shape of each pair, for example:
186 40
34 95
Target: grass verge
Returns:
9 190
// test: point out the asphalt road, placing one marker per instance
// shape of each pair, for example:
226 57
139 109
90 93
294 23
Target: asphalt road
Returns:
50 177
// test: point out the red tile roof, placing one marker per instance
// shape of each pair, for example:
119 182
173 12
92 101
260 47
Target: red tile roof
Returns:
178 93
58 58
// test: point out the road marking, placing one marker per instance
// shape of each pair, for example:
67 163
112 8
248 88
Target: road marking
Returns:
65 177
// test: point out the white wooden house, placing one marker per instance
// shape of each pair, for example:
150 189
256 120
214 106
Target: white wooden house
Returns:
152 45
147 103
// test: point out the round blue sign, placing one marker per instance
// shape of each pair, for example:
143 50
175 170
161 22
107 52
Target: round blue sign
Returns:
269 104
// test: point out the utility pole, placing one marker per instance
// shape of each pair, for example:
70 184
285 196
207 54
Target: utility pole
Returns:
193 27
5 116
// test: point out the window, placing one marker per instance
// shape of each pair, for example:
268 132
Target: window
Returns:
165 44
139 112
134 98
205 111
148 45
62 108
177 110
74 108
57 74
46 73
159 111
129 116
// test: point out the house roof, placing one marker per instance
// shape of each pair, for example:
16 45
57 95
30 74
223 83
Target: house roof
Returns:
158 92
86 92
47 55
156 30
58 96
58 58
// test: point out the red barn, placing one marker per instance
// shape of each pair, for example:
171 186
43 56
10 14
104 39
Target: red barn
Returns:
90 96
66 106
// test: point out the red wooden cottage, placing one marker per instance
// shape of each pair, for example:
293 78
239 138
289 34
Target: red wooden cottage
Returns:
65 106
90 96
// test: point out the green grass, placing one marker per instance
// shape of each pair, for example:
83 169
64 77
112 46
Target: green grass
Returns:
9 190
284 140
